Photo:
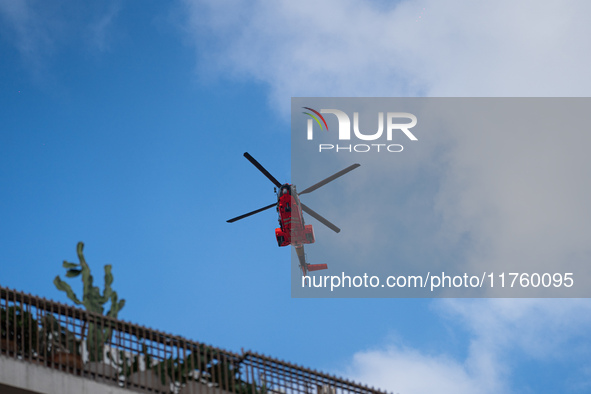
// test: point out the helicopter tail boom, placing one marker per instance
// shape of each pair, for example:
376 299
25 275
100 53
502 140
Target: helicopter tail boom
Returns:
305 267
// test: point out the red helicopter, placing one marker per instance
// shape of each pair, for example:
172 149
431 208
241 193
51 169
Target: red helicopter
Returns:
292 228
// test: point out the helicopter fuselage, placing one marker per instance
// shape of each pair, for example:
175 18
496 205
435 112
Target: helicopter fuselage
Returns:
292 228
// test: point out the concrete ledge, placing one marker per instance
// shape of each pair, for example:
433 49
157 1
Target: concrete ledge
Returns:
43 380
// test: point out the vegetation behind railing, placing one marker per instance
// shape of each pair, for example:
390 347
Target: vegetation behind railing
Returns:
55 335
92 299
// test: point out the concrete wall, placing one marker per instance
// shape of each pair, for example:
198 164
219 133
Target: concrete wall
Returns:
23 378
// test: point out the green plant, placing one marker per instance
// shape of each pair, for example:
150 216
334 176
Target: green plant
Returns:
130 363
201 365
55 338
207 366
93 300
18 331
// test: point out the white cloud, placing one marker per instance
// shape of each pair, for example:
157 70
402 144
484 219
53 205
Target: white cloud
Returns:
27 30
38 29
499 332
100 30
407 371
539 328
355 48
521 196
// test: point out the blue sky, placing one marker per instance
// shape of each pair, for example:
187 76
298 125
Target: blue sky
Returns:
123 125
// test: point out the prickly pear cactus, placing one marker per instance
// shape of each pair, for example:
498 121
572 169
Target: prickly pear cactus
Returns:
92 300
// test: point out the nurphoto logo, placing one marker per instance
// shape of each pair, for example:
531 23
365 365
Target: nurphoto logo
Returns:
393 125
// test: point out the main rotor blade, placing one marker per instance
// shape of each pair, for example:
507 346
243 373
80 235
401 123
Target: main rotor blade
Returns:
251 213
329 179
262 169
320 219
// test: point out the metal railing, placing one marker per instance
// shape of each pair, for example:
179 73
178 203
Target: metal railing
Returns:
120 353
